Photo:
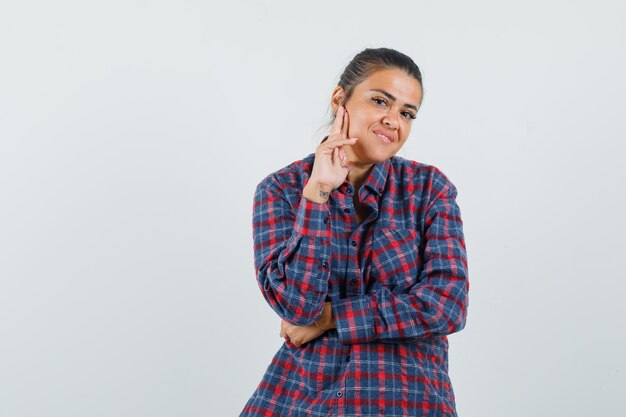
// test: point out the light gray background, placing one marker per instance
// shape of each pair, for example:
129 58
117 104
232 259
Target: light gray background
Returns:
132 135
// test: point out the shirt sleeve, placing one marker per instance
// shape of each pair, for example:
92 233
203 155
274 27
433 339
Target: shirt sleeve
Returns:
435 305
291 254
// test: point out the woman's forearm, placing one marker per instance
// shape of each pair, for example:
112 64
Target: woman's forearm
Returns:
327 321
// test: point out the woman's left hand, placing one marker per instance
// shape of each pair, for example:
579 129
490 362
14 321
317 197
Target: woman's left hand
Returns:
299 335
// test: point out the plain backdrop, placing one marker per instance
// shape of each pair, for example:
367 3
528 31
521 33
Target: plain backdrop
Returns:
133 134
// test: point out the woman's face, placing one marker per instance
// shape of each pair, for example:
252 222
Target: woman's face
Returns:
381 110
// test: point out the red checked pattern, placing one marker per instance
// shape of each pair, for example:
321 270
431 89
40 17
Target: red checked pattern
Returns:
398 284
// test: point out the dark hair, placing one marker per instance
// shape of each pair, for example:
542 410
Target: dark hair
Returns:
368 61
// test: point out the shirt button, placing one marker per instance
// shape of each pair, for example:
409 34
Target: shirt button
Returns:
325 219
339 394
347 210
349 190
353 243
380 190
325 264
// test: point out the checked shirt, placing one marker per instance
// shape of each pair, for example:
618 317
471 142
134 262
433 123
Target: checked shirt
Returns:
398 284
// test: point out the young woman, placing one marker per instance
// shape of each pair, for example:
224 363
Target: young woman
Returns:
362 255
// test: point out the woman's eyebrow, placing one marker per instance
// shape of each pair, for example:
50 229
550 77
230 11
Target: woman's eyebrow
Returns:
392 98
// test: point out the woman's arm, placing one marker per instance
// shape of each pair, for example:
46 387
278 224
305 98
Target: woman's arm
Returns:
291 253
435 305
292 250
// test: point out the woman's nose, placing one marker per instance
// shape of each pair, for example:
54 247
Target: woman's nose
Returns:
391 121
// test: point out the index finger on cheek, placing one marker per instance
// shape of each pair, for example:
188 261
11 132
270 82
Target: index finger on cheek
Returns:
344 126
338 122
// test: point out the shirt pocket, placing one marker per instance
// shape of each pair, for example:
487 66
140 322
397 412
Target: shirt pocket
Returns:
393 258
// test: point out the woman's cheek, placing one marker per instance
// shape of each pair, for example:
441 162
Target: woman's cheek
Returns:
356 127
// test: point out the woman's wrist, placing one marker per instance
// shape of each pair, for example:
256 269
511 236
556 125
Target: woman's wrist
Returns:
316 192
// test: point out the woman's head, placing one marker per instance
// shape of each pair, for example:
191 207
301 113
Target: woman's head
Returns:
381 90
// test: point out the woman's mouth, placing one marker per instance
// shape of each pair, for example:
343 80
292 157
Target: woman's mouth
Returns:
384 138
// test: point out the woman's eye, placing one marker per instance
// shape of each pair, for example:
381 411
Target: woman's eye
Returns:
408 115
379 101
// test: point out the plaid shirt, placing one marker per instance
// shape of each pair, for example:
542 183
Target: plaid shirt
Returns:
398 284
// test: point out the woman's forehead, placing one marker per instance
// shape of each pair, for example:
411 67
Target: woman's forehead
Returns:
396 82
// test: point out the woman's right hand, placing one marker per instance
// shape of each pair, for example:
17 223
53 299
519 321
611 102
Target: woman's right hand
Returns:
330 167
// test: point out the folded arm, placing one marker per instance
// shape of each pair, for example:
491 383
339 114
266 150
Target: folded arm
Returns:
435 305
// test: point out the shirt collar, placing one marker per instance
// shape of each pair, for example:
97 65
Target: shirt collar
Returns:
377 178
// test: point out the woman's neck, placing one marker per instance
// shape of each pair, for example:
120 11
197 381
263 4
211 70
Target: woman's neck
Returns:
358 174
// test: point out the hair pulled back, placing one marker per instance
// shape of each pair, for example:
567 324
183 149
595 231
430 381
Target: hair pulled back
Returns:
370 60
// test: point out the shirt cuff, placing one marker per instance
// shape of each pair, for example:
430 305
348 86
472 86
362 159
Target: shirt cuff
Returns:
354 319
312 219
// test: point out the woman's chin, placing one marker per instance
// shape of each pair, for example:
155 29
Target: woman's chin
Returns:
378 156
372 153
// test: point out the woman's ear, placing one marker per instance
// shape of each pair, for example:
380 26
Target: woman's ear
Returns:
337 98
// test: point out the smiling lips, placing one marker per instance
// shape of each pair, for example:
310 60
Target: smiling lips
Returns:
384 136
